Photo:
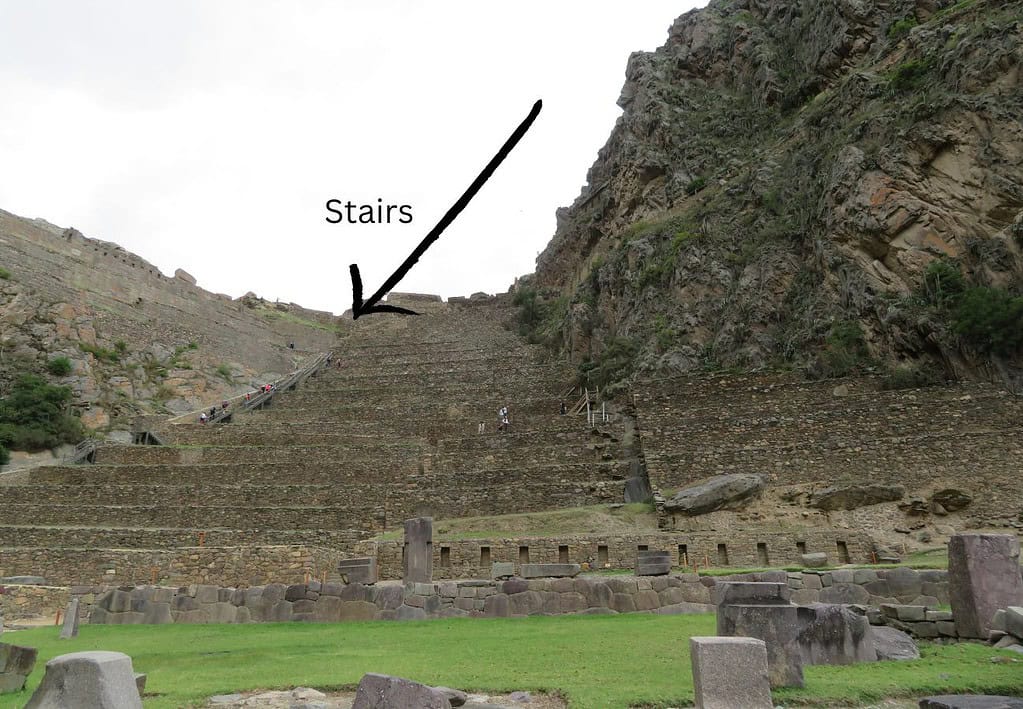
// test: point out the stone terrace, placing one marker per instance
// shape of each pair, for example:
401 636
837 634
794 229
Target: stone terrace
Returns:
836 433
390 434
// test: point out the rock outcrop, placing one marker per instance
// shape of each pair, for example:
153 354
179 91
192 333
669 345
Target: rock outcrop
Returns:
718 493
782 178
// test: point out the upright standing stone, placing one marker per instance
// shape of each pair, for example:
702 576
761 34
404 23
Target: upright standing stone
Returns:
70 629
96 679
417 564
730 673
983 576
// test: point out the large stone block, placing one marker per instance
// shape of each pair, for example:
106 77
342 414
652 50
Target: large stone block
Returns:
16 664
777 626
653 563
502 570
833 635
417 565
751 593
386 692
360 570
983 576
730 672
95 679
536 571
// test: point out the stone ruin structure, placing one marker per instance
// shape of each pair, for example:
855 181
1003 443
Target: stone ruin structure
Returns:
286 493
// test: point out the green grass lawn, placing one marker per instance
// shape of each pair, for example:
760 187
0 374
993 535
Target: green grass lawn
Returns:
594 661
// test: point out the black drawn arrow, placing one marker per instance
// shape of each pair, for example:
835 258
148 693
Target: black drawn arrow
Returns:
359 307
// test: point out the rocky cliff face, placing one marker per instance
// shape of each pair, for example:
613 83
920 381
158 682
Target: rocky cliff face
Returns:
135 341
783 180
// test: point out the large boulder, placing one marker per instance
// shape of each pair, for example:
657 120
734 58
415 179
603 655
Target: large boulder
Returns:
950 500
893 644
718 493
832 634
853 496
384 692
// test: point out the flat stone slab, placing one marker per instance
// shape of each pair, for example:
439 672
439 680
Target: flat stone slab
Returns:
24 580
502 569
730 673
537 571
970 701
95 679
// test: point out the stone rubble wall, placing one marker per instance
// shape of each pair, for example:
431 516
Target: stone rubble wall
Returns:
219 565
920 621
333 602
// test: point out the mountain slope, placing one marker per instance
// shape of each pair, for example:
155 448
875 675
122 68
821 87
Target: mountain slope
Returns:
825 185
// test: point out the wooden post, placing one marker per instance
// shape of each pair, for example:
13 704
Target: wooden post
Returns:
202 539
154 573
57 621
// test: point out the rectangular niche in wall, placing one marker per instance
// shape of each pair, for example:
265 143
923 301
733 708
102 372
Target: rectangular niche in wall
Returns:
843 552
484 557
722 555
523 555
762 557
563 554
601 556
445 556
683 555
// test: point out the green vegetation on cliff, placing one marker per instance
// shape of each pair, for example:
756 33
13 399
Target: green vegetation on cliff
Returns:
34 416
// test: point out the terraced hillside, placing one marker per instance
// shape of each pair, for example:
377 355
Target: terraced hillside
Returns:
390 434
805 436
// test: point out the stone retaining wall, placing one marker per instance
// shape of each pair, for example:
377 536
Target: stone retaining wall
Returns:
219 565
740 548
333 602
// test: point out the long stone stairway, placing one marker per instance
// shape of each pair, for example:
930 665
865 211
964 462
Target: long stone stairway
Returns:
390 434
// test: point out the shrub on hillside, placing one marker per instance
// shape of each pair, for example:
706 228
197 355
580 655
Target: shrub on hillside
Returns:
845 349
990 320
943 283
909 376
59 366
34 416
5 456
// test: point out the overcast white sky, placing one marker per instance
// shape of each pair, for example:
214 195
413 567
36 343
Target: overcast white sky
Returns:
208 134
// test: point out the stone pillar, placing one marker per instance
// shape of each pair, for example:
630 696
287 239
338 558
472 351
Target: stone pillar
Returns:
983 576
763 611
70 629
417 561
730 673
